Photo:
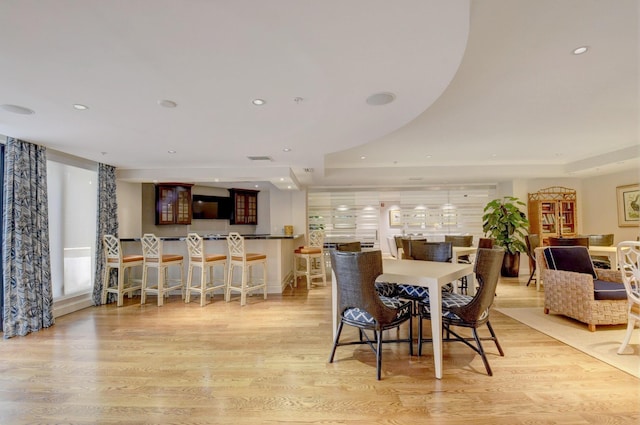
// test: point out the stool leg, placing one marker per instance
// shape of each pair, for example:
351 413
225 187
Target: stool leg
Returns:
161 274
187 298
120 286
203 285
105 284
143 290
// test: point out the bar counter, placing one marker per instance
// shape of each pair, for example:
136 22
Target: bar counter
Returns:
279 250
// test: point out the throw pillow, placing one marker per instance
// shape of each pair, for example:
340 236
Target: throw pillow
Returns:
569 258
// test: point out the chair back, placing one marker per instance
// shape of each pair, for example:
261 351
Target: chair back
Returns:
533 241
349 247
195 245
407 247
316 239
459 240
487 269
398 240
235 243
393 249
432 251
579 241
601 240
356 273
112 251
629 260
485 243
151 247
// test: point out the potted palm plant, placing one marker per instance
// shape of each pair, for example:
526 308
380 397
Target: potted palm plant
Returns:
507 225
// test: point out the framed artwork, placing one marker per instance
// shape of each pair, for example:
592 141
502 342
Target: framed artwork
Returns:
395 217
628 205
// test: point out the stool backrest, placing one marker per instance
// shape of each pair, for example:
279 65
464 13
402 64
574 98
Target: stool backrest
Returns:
235 242
151 247
112 249
316 239
195 244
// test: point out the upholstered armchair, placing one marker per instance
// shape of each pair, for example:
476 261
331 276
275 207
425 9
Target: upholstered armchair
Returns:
574 288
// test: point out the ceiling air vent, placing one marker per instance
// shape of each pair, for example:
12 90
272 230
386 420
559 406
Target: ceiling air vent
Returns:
260 158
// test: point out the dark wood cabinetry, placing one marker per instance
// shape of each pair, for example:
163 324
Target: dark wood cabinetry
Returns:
173 203
244 206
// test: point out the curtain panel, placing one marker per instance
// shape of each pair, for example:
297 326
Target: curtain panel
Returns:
28 293
106 224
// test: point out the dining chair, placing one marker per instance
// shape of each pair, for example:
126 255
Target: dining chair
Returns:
360 305
245 261
459 310
311 257
207 264
463 241
114 260
424 251
532 241
154 257
629 259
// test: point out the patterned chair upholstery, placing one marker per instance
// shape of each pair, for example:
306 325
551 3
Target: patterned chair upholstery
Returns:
422 250
467 311
573 293
361 306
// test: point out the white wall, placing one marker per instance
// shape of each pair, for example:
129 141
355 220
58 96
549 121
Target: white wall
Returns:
129 196
599 205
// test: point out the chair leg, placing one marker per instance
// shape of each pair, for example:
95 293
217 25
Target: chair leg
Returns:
335 341
187 298
378 336
627 337
120 287
533 271
495 339
143 290
481 351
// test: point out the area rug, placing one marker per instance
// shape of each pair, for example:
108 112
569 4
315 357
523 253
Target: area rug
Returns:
602 344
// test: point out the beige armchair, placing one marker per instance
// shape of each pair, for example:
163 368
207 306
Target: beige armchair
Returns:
573 295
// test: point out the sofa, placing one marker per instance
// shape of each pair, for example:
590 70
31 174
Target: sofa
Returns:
576 289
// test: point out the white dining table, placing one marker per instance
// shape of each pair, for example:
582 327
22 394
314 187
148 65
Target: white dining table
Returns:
429 274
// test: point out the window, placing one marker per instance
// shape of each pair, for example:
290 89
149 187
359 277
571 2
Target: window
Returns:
72 193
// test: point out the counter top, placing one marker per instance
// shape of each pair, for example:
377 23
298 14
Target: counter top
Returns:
217 237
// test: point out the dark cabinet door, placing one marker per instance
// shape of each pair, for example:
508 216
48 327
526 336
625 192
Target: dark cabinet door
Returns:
173 204
245 206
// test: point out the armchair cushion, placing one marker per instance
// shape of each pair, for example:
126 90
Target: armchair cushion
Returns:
570 258
603 290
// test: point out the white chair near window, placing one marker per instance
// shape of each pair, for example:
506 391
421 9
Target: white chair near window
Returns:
123 264
239 258
629 260
207 264
155 258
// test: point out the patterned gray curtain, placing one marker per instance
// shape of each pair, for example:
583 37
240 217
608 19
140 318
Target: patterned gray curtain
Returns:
106 224
28 294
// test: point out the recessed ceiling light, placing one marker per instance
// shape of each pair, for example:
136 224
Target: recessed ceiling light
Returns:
258 102
429 156
17 109
380 99
166 103
286 150
363 157
281 179
80 107
580 50
288 187
171 151
256 186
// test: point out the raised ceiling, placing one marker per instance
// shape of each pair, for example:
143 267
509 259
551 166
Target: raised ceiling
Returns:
483 91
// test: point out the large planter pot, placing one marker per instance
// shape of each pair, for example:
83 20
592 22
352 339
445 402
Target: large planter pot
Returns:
511 265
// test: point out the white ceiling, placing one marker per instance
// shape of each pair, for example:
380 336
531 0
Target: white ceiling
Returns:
484 91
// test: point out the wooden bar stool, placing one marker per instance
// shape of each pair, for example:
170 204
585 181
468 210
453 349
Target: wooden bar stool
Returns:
115 260
238 257
312 256
154 258
207 264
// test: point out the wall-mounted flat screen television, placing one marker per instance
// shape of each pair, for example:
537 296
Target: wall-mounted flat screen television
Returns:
211 207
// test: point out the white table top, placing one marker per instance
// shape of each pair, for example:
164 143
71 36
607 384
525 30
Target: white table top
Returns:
422 273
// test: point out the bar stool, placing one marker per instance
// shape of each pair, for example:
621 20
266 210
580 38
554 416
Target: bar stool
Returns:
154 258
238 257
207 264
313 257
115 260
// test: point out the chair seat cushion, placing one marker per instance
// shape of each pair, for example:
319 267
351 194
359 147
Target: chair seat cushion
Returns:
361 316
131 258
570 259
604 290
251 257
412 292
308 250
209 258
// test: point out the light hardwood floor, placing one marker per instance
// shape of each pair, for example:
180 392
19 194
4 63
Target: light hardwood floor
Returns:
266 363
